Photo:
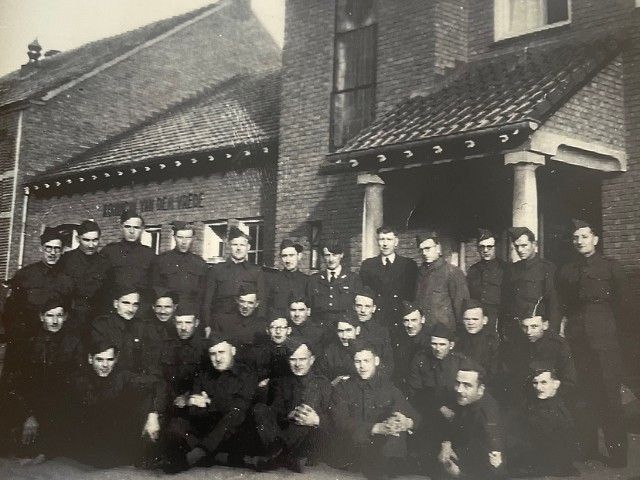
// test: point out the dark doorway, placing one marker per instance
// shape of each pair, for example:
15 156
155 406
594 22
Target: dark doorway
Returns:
566 192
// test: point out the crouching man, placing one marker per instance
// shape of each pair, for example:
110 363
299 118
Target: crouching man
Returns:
220 397
472 443
294 426
372 417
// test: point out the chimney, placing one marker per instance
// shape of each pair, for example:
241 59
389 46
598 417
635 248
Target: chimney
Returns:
34 51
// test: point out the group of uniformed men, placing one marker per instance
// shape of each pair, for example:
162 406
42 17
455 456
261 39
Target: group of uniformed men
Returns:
120 356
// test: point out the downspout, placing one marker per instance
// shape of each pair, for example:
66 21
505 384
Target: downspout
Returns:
23 226
16 170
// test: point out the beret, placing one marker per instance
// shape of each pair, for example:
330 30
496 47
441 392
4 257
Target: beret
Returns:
365 291
348 317
428 235
358 345
577 224
484 234
216 338
49 234
88 226
163 292
181 225
247 289
120 290
531 310
440 330
52 301
407 307
187 309
516 232
288 243
470 303
294 343
129 214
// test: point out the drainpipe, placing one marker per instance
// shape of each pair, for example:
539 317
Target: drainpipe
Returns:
23 226
14 192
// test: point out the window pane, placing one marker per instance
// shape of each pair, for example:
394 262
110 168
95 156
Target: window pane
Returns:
353 14
557 11
355 59
352 111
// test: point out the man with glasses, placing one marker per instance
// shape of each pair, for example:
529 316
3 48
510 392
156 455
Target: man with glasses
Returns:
485 278
87 269
180 269
30 287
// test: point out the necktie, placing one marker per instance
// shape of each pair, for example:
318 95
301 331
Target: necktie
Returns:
387 263
332 276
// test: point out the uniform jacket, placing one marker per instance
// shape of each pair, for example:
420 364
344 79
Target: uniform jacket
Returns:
483 347
281 286
312 389
524 283
223 284
594 295
311 332
405 349
31 286
129 264
336 360
485 282
244 330
231 393
440 290
329 300
359 404
184 273
551 350
391 284
432 381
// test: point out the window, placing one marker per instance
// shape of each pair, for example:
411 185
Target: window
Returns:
315 229
216 235
151 237
517 17
353 96
69 234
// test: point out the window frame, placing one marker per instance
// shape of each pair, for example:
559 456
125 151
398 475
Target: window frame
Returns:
235 222
153 230
337 35
501 11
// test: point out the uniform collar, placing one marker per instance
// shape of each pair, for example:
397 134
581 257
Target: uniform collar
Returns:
337 271
391 258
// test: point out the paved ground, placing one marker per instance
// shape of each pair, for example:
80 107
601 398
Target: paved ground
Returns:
64 469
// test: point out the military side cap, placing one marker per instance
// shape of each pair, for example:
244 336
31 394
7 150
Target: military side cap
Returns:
577 224
49 234
53 300
235 232
334 246
348 317
178 225
99 342
120 290
297 297
288 243
429 235
163 292
536 367
516 232
88 226
216 338
295 342
484 234
531 310
129 214
247 289
187 309
471 303
365 291
407 308
440 330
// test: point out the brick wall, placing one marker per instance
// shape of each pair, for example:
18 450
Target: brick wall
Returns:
233 194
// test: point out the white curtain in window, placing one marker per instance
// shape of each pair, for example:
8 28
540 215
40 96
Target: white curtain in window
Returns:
526 15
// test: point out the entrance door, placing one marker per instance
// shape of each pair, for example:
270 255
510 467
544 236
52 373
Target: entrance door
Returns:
566 192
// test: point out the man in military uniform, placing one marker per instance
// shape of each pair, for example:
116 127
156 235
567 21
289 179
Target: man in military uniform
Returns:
129 260
477 340
245 325
336 361
594 298
179 269
485 278
432 379
302 326
289 281
295 424
525 281
224 280
372 417
270 353
162 316
331 292
538 344
416 338
544 430
30 288
391 276
441 287
473 443
220 399
38 391
371 328
87 268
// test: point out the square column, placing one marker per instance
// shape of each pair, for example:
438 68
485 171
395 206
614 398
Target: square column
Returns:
372 212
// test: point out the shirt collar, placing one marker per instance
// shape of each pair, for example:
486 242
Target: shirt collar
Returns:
337 271
391 258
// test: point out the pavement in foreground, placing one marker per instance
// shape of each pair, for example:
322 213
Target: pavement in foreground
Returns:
65 469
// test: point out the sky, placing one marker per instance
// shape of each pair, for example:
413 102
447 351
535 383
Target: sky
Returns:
67 24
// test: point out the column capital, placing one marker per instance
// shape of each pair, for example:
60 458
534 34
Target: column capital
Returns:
369 178
524 157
